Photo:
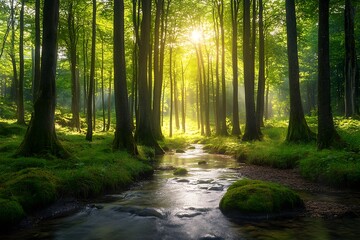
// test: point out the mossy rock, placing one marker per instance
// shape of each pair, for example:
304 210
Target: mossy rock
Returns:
33 188
180 171
11 213
253 199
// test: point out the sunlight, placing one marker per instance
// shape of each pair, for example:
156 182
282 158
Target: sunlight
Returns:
196 35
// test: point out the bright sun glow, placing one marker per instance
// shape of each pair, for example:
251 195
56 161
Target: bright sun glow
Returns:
196 36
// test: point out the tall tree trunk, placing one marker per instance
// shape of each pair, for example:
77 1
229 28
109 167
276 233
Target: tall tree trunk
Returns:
171 92
266 110
91 91
109 104
350 60
176 102
234 20
75 86
223 130
40 137
261 82
85 47
327 135
15 82
102 85
251 132
298 130
183 113
123 132
144 134
37 71
20 93
217 95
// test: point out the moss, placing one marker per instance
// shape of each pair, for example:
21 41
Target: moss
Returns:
180 171
11 212
33 188
246 197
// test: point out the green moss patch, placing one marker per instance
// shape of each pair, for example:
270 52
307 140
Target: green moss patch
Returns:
180 171
252 198
11 212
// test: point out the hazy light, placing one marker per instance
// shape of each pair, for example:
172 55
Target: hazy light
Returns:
196 36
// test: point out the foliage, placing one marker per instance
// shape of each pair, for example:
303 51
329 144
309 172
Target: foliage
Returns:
258 197
11 213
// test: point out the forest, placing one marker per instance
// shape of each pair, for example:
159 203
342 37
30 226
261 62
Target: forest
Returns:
93 92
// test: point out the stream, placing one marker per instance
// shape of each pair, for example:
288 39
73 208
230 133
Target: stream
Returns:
171 207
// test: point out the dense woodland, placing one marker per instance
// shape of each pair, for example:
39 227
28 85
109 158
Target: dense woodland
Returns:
213 64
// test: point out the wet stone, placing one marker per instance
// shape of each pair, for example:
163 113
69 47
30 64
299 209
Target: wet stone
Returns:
205 181
180 151
165 168
183 180
202 163
210 237
142 212
216 187
187 214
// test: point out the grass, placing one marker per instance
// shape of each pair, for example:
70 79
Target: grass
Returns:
335 167
28 184
258 197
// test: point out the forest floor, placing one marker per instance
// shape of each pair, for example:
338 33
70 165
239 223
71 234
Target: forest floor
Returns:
320 200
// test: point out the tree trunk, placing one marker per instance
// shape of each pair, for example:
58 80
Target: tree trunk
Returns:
109 105
75 86
14 84
102 85
217 95
234 20
171 93
223 130
350 60
20 93
85 47
261 82
183 114
251 131
123 132
91 91
298 130
176 103
37 71
327 135
40 137
144 134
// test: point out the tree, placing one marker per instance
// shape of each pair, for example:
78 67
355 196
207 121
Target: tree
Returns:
40 137
251 132
91 91
72 48
144 134
350 61
37 69
235 5
20 90
327 135
123 132
261 82
298 129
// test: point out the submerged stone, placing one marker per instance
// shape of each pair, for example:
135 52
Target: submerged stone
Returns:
142 212
180 151
180 171
202 162
253 199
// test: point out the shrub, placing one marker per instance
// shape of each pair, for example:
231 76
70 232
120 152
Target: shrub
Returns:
11 212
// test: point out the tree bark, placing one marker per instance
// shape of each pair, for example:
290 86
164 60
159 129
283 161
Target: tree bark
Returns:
37 71
89 132
251 132
234 20
102 85
261 82
123 132
327 135
144 134
40 137
183 100
15 82
298 130
109 105
350 61
20 91
75 86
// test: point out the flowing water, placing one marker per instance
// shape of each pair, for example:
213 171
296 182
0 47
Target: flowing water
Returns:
170 207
